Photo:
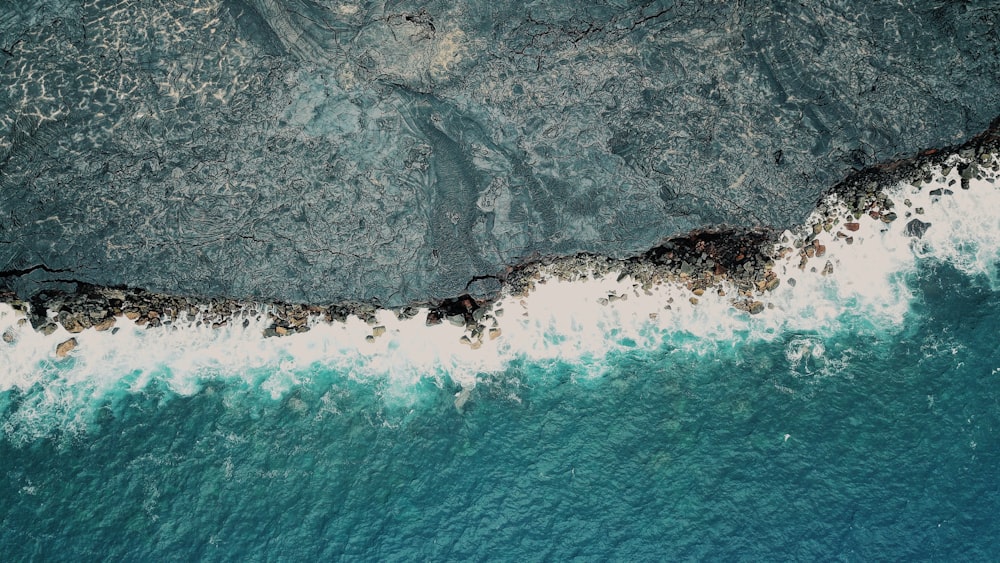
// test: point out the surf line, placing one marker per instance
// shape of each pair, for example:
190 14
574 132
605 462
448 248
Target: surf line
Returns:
706 270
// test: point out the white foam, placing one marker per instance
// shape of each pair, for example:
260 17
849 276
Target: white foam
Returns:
574 322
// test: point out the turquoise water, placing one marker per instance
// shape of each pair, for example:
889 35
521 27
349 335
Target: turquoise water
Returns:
852 446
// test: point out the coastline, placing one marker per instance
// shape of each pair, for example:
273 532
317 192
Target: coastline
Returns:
741 269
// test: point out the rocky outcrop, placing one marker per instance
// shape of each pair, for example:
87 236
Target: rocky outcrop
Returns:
700 261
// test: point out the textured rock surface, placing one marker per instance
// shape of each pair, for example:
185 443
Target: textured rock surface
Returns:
318 151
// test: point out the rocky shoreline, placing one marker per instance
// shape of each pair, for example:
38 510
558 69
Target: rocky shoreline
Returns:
714 260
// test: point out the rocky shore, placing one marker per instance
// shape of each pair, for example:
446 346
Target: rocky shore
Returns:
741 262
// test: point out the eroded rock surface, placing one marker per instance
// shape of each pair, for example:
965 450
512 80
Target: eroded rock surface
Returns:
396 151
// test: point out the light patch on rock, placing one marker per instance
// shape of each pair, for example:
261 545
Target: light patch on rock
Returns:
448 51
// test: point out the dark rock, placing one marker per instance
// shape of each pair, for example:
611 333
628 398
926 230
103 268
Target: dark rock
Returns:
968 171
916 228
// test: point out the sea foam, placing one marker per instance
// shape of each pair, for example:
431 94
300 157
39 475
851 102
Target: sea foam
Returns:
857 280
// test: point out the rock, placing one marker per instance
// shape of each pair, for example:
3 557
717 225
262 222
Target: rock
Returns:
755 308
48 328
699 292
64 348
916 228
852 226
8 336
280 330
378 331
71 323
888 217
968 171
132 314
693 300
494 333
772 284
478 314
104 325
456 320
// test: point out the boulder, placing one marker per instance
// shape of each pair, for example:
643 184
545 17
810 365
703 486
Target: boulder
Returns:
916 228
64 348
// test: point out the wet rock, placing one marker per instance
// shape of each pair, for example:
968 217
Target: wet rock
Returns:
494 333
65 347
772 284
968 171
755 308
378 331
852 226
105 324
916 228
8 336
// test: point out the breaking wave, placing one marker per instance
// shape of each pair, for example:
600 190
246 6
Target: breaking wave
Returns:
839 273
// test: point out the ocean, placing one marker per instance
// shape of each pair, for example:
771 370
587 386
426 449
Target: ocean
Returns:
856 418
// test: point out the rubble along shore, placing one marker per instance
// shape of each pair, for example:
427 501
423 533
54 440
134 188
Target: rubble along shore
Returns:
711 260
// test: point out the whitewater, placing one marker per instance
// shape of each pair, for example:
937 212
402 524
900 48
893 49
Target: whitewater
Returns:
692 428
578 321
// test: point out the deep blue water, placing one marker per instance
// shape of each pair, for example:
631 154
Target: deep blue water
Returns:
878 448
